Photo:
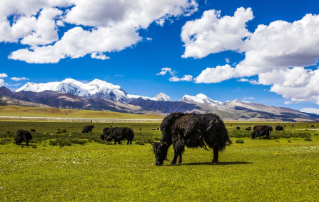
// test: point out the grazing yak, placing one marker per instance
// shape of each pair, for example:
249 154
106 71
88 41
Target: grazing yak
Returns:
23 135
192 130
238 128
118 134
106 133
279 128
87 129
32 130
249 128
261 130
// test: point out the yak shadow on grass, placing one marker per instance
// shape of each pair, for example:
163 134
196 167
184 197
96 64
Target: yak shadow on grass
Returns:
210 163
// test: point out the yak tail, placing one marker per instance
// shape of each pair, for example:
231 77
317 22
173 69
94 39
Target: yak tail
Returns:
218 134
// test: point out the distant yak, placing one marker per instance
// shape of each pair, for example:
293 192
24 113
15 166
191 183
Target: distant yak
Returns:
32 130
23 135
118 134
261 130
249 128
87 129
279 128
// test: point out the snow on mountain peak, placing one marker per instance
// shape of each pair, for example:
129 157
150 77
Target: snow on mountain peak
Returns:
200 98
162 97
94 89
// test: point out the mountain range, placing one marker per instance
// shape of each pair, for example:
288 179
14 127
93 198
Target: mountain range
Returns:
100 95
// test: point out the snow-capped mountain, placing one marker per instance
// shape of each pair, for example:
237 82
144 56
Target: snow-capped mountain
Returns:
95 89
158 97
200 98
162 97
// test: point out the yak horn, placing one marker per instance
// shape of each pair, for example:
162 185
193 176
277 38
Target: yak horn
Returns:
150 142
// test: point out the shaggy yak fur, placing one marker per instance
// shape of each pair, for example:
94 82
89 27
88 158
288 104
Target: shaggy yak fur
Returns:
279 128
118 134
23 135
192 130
87 129
261 130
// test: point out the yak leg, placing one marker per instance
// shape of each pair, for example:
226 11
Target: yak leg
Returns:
179 159
215 158
114 141
174 159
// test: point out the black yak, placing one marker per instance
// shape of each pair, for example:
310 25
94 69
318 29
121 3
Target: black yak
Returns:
279 128
32 130
23 135
106 133
261 130
238 128
87 129
119 134
249 128
192 130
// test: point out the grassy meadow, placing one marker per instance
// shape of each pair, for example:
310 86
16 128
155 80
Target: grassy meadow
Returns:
71 166
13 110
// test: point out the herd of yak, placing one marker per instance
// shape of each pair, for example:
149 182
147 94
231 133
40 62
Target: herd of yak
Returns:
178 129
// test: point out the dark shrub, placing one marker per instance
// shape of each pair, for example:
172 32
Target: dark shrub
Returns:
240 141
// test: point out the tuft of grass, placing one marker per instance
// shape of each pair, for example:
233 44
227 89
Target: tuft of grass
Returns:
240 141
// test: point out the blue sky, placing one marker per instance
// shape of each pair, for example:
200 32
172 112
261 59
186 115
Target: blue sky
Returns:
134 64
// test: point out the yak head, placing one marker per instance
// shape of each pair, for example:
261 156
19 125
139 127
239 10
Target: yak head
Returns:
109 137
160 151
253 135
270 128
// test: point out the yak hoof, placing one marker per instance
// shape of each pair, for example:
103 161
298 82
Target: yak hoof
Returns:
214 163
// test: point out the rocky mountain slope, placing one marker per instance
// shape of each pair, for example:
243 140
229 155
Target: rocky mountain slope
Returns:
70 101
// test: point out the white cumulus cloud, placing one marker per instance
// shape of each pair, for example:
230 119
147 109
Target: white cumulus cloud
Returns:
213 33
277 53
99 56
216 75
3 75
19 79
184 78
112 25
2 83
165 70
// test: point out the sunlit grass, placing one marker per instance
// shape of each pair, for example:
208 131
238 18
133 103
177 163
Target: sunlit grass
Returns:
256 170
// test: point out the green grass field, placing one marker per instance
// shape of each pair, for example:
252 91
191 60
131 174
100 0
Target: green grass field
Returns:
280 169
69 113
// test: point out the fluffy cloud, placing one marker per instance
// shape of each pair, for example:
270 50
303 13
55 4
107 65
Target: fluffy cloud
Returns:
287 103
165 70
113 26
3 75
213 34
19 79
185 78
278 53
216 75
99 56
2 82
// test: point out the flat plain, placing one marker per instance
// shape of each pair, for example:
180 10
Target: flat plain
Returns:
71 166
